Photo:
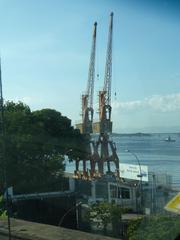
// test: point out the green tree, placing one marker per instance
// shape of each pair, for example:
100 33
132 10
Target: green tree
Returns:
103 213
3 212
35 145
116 214
100 214
159 226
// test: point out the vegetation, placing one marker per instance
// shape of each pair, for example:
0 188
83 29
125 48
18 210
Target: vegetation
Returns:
3 212
158 226
35 143
103 213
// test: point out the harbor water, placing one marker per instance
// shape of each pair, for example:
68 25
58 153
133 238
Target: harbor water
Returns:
161 156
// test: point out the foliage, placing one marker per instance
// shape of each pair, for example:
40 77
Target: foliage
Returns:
100 213
133 226
35 146
3 212
116 214
160 226
103 213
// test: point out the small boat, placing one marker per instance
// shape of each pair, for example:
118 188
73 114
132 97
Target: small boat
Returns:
169 139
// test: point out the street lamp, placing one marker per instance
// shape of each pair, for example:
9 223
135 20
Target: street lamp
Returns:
69 210
139 175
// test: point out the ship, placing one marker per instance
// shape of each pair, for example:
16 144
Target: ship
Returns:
169 139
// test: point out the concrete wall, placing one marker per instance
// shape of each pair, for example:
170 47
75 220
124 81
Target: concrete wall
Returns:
34 231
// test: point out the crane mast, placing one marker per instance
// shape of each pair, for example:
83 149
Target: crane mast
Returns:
87 98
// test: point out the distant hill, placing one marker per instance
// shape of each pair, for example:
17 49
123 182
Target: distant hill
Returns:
139 134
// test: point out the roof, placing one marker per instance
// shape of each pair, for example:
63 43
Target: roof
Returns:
41 195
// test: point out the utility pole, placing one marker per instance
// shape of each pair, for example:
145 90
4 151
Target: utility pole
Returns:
140 175
153 190
4 163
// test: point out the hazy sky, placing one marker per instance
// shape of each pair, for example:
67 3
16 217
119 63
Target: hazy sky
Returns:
45 49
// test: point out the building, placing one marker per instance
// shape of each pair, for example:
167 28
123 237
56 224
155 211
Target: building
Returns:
107 189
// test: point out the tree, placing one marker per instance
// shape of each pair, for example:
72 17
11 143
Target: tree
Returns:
35 145
103 213
159 226
100 214
116 215
3 212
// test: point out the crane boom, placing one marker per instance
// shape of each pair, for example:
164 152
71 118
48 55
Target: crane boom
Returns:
108 67
105 124
91 73
87 98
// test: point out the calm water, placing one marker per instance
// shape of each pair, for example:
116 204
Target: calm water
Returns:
160 156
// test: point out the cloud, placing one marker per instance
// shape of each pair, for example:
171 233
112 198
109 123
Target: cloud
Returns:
159 103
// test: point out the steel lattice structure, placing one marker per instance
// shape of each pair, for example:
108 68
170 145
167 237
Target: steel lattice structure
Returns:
102 150
108 67
87 98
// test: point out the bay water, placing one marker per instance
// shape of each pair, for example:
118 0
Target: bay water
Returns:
161 157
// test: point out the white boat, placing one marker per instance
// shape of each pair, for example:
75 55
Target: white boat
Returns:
169 139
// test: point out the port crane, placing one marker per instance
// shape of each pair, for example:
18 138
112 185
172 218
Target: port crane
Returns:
86 126
102 150
105 147
105 123
87 99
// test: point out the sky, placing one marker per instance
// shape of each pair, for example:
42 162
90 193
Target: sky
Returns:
45 49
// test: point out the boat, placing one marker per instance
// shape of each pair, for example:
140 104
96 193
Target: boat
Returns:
169 139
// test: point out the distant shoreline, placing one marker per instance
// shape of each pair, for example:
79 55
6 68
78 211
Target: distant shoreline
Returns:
141 134
133 134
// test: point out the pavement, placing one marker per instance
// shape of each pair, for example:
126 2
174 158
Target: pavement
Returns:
25 230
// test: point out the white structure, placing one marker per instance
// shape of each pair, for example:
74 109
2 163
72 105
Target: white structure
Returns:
134 172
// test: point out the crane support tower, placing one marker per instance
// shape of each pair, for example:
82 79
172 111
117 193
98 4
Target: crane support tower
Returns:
106 147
